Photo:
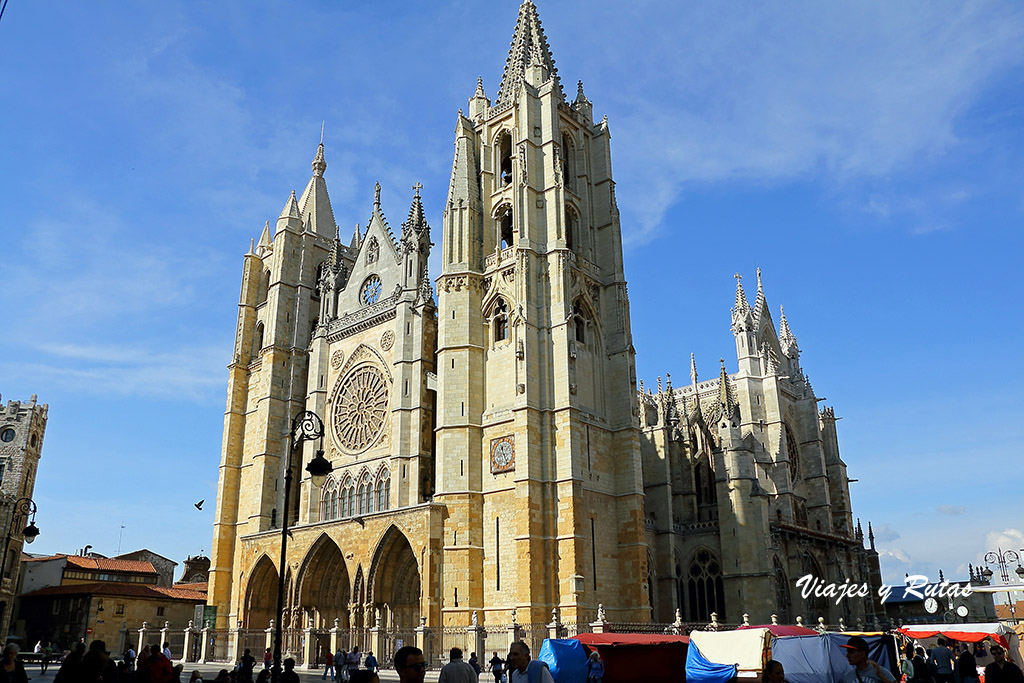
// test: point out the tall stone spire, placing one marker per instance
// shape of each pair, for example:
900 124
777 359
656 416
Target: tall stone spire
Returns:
786 337
529 48
416 221
315 204
742 306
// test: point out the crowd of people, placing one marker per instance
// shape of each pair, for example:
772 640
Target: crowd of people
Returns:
939 664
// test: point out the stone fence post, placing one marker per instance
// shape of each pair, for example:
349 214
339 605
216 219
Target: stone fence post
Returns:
554 627
601 624
336 640
142 636
186 648
476 634
422 638
204 647
309 646
514 632
236 643
163 635
270 636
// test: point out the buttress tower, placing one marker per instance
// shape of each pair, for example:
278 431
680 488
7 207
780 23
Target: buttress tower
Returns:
538 455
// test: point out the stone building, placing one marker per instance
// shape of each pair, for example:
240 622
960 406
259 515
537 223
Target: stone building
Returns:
493 457
22 426
745 488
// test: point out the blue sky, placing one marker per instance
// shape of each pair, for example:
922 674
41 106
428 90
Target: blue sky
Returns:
865 155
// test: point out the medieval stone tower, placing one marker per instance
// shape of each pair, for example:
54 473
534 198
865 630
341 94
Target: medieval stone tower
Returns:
538 447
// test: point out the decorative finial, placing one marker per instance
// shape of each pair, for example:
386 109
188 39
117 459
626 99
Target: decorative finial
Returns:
480 87
693 370
759 279
322 131
319 163
376 196
417 186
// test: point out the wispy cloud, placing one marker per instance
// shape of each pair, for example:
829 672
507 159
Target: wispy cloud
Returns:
950 509
850 90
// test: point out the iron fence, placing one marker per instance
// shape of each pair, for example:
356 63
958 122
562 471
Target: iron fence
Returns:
175 639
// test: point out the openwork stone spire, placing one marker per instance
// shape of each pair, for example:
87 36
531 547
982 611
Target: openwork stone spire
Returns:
786 337
529 47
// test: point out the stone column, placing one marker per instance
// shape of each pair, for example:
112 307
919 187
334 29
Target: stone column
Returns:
554 627
601 624
336 638
186 654
163 636
142 636
475 634
204 647
235 652
514 632
378 634
422 636
309 646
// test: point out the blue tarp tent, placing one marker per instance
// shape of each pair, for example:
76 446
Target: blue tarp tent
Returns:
700 670
566 659
822 658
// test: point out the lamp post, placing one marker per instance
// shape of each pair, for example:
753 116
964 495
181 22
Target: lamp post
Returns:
306 426
22 508
1002 559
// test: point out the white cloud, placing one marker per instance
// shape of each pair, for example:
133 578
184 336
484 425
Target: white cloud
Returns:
950 509
776 93
885 533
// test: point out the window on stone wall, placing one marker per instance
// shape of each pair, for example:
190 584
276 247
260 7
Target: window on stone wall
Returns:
579 323
783 603
160 611
505 228
707 492
119 609
793 453
365 495
570 228
499 320
505 157
567 160
705 592
384 491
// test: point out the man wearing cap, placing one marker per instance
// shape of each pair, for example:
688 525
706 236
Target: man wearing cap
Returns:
864 669
1002 669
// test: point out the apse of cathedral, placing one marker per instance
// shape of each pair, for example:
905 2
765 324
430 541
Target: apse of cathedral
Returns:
494 458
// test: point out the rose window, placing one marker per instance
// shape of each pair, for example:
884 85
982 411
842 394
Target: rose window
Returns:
360 408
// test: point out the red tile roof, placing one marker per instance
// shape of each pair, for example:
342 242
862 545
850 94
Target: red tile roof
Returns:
102 564
108 565
128 590
197 586
1004 611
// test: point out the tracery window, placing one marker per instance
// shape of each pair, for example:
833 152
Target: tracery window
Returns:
783 603
329 500
499 321
384 491
705 591
346 498
365 495
793 453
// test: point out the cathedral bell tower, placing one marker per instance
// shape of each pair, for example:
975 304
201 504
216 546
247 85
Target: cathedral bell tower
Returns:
538 456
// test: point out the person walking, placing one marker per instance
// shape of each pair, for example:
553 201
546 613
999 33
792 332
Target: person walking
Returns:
457 670
352 660
524 670
245 667
328 665
1002 670
410 665
942 658
864 670
967 667
497 665
595 668
371 663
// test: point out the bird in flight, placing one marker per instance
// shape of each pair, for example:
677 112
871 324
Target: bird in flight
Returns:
199 505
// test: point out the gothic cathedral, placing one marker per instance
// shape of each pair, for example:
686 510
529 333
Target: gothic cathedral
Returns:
492 453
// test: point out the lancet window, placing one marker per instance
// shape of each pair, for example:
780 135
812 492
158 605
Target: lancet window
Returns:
704 588
505 157
505 234
793 453
384 490
499 321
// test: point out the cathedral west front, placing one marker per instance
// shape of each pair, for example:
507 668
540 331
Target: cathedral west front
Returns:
495 458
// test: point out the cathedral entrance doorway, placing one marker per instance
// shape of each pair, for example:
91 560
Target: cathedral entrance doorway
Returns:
261 594
394 582
324 585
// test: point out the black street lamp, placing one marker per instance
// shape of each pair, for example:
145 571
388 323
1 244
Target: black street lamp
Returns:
22 508
306 426
1002 559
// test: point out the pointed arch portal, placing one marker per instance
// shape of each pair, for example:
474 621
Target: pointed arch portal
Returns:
261 594
324 584
395 580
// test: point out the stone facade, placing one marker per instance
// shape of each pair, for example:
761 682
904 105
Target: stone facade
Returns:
745 489
492 453
22 426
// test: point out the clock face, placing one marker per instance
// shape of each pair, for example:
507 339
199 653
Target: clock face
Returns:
962 611
931 605
503 454
371 290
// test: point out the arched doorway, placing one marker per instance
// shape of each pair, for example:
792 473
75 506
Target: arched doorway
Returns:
324 584
261 594
394 581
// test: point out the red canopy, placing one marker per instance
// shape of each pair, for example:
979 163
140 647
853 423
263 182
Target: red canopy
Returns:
965 633
780 631
639 657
